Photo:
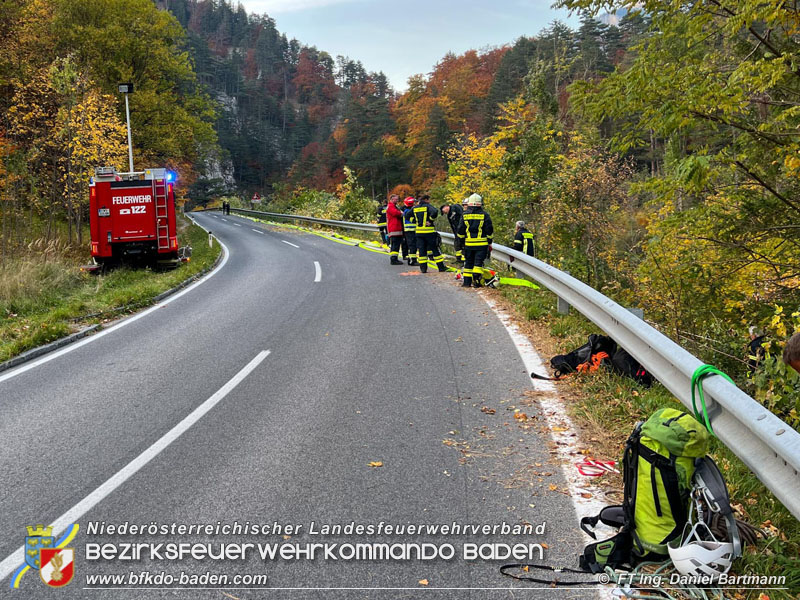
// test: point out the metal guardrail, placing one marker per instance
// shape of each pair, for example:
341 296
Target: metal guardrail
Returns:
767 445
315 220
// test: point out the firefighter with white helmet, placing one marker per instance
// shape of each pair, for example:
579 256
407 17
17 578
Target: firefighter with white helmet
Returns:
476 230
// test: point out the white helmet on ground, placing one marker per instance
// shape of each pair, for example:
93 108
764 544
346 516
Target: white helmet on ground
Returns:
475 200
697 557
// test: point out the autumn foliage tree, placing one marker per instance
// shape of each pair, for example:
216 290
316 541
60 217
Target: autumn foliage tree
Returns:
61 114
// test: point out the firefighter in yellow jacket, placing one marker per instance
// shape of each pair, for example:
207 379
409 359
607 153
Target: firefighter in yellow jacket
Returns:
427 246
523 239
476 230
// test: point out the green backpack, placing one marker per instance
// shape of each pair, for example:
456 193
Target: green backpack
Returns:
658 465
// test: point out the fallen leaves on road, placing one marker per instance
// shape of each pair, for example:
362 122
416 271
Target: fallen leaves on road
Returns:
487 410
410 273
424 582
376 463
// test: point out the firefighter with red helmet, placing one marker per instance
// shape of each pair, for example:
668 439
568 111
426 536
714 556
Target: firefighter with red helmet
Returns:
476 230
410 229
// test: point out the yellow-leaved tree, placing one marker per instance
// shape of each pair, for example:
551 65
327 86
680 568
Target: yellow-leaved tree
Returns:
473 165
89 134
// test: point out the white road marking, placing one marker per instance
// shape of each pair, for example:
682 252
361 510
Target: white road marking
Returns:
82 507
89 339
237 224
317 272
562 430
290 243
226 220
257 230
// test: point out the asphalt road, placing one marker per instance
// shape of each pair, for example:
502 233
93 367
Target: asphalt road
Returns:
366 364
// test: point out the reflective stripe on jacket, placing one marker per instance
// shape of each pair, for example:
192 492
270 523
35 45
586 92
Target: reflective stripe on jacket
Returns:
409 224
424 216
476 228
523 242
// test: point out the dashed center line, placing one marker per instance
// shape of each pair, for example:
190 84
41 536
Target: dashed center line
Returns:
290 243
257 230
237 224
317 272
226 220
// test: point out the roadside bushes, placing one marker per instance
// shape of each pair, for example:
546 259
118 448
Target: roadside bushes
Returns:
349 203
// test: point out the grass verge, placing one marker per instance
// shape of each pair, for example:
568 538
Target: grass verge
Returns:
607 407
43 298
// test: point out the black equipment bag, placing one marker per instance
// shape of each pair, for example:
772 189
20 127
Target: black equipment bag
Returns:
624 364
563 364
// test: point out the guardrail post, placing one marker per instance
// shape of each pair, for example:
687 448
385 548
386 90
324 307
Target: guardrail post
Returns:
210 240
637 312
563 305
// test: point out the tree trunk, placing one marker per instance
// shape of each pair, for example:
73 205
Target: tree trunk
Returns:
653 160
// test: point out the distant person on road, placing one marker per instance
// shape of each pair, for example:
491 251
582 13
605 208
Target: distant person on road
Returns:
476 230
791 352
410 229
382 221
454 214
394 229
755 349
427 248
523 239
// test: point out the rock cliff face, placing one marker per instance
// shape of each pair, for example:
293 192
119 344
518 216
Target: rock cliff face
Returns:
274 95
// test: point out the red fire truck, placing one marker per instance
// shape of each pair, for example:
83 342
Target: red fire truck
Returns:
132 216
